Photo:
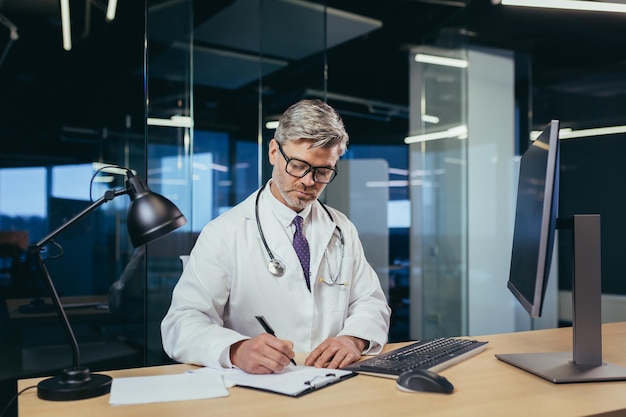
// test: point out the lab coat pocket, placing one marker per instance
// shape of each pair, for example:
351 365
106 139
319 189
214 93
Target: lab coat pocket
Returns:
333 284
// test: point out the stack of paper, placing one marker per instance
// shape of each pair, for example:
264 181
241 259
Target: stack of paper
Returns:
161 388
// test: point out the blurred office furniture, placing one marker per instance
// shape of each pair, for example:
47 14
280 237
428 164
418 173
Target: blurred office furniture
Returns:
13 245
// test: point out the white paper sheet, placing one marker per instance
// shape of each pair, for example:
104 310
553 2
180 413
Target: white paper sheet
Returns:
161 388
293 380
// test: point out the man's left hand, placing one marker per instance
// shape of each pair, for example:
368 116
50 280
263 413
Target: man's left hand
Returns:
336 352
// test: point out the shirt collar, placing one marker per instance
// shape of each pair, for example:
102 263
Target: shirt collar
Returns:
283 213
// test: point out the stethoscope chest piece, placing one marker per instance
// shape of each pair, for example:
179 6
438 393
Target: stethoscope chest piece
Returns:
276 267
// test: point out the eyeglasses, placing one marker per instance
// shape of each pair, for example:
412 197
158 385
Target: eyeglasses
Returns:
298 168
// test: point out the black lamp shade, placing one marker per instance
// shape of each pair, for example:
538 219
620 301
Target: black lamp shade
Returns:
150 215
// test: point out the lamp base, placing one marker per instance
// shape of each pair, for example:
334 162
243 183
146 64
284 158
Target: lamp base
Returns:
74 384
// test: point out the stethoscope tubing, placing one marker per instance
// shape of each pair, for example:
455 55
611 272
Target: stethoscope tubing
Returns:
275 266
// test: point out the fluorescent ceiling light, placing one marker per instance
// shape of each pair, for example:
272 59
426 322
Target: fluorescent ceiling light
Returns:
271 125
220 168
174 121
441 60
454 132
109 169
398 171
104 179
567 133
66 29
430 119
111 8
387 184
594 6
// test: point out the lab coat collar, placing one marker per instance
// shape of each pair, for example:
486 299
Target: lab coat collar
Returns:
284 214
319 229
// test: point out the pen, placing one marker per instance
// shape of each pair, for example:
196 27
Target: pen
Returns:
268 329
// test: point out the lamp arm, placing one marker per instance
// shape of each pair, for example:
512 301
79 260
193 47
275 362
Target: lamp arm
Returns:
35 251
108 196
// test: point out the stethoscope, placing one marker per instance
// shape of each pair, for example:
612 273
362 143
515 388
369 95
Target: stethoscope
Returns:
277 268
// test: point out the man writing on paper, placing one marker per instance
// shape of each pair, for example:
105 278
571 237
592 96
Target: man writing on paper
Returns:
283 255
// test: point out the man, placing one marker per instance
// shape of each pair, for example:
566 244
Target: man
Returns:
245 264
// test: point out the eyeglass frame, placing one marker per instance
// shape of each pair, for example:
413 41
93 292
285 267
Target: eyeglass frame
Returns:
311 167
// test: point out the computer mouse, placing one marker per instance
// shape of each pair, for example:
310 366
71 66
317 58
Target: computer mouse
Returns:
422 380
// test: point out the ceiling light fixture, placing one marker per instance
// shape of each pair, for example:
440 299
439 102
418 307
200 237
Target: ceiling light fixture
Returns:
427 118
111 8
66 29
591 6
174 121
567 133
459 132
441 60
110 169
271 124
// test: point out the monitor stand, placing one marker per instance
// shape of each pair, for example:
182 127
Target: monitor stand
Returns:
584 363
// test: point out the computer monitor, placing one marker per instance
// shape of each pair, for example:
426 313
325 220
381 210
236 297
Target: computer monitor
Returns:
533 241
535 220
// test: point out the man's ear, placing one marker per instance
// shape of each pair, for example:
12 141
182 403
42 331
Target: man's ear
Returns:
272 151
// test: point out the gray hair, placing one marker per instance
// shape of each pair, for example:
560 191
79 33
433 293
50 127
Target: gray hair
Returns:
315 120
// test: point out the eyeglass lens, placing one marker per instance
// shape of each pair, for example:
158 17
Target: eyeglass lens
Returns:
299 169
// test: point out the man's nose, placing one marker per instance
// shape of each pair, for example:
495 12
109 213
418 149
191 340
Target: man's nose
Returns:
308 179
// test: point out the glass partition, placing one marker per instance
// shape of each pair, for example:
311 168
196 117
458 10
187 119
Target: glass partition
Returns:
172 167
180 92
250 60
78 113
438 175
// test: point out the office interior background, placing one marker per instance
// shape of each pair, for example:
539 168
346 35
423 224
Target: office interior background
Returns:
182 91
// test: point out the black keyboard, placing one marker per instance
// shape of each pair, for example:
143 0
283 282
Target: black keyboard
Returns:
433 354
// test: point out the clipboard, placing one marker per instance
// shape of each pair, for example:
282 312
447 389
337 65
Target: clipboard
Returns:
294 381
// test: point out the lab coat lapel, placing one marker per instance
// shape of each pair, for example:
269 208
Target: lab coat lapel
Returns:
322 232
278 238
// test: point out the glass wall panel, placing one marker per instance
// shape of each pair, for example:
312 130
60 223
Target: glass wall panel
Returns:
170 166
248 60
293 34
75 113
372 186
438 155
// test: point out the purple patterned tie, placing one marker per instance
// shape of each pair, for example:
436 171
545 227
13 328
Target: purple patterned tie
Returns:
302 249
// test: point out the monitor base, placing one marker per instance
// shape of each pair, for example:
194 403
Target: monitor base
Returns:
558 367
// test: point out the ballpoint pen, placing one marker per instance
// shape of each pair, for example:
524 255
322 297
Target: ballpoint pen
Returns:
268 329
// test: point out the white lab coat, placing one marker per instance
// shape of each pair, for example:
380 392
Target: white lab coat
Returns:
226 283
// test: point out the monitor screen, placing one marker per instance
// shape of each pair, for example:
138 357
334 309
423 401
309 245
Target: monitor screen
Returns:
535 220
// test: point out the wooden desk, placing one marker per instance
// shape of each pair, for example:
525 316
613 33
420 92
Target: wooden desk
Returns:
74 307
484 386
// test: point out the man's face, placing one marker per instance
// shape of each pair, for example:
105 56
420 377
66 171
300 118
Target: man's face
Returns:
298 193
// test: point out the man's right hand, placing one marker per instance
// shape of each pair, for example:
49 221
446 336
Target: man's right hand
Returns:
263 354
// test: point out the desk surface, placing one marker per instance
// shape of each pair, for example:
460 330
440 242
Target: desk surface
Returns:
484 386
74 306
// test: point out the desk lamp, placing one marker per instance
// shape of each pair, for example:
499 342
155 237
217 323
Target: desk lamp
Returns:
150 216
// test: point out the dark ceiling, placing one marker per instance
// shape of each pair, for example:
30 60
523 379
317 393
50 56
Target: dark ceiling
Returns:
53 102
